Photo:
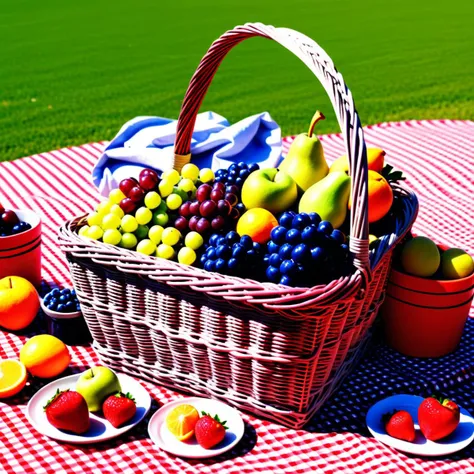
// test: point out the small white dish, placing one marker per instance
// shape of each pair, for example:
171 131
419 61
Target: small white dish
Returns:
100 429
57 314
459 439
190 449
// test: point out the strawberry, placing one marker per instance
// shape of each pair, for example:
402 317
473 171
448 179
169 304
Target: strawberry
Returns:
399 424
438 417
209 431
119 408
67 410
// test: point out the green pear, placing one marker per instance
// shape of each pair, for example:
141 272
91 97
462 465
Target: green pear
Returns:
305 161
328 198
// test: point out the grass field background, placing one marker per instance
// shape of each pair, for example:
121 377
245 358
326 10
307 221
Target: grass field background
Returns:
74 72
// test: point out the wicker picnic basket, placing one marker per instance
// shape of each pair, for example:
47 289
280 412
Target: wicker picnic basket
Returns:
276 351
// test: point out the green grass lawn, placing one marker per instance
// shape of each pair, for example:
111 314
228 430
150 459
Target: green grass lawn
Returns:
74 72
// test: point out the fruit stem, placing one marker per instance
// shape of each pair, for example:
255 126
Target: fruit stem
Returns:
10 281
316 118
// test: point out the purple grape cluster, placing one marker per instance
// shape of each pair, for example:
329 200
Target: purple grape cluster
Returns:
232 254
305 251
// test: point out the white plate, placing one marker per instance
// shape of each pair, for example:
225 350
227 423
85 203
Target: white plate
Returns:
160 434
100 429
459 439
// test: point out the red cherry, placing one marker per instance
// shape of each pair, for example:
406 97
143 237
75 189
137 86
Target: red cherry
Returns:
184 209
10 218
127 205
218 223
223 207
148 179
181 223
127 184
208 208
193 222
219 187
203 225
217 195
194 208
203 192
136 194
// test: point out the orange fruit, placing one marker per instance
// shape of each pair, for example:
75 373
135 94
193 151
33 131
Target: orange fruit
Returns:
19 303
375 161
45 356
380 196
257 223
181 421
13 377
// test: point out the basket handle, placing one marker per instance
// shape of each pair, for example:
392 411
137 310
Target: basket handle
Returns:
323 68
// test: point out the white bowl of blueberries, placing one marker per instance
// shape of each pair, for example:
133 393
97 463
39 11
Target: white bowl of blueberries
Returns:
61 304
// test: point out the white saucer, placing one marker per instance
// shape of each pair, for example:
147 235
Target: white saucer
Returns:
161 436
100 429
459 439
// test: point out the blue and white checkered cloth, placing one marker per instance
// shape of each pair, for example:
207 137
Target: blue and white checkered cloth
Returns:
147 142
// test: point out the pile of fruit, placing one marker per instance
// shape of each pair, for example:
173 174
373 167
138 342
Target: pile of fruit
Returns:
62 301
285 225
10 224
437 417
184 422
421 257
97 389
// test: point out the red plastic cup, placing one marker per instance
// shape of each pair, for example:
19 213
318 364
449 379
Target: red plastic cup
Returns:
20 254
424 317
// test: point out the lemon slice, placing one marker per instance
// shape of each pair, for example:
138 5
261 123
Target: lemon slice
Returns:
13 377
181 421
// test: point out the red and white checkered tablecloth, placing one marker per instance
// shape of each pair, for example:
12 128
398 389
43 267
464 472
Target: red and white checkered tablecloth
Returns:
438 160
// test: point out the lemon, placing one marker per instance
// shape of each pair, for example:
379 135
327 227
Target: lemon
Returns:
181 421
258 224
45 356
13 377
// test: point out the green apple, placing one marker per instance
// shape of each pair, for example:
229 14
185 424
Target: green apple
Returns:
270 189
96 384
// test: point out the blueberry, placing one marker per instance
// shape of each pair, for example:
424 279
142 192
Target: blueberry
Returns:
233 264
300 221
238 251
220 241
243 173
266 259
273 247
232 237
223 252
220 264
288 267
246 242
253 167
278 234
213 239
16 229
239 181
219 179
317 254
257 247
286 219
78 307
230 179
273 274
73 292
251 254
242 165
301 253
338 236
209 266
47 299
52 306
55 292
286 280
211 253
285 251
233 167
275 260
234 173
65 291
240 206
61 308
325 227
310 234
345 247
203 258
70 307
64 298
315 219
53 301
293 236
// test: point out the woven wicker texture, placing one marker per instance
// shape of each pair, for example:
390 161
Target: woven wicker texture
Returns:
272 350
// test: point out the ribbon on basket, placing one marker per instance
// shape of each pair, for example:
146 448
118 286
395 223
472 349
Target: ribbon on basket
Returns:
148 142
